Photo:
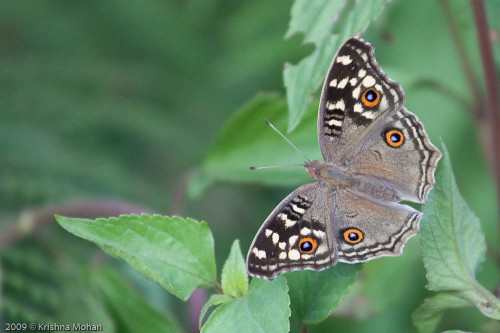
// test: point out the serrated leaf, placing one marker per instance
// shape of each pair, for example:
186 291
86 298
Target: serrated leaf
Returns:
313 295
316 20
234 278
265 308
215 299
177 253
427 317
131 312
247 141
453 244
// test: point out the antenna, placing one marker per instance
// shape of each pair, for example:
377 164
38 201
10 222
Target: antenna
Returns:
286 139
273 166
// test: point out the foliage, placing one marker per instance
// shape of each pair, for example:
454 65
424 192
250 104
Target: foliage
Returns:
129 101
453 248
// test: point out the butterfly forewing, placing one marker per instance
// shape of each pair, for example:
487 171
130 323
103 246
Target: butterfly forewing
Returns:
296 235
356 93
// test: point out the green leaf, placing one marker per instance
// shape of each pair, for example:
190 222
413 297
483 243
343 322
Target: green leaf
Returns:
215 299
314 20
247 141
234 273
265 308
453 244
427 317
177 253
314 295
131 312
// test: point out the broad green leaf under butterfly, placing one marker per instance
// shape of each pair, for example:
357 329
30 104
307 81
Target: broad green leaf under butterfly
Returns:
313 295
177 253
131 311
246 140
234 277
317 20
265 308
428 316
453 248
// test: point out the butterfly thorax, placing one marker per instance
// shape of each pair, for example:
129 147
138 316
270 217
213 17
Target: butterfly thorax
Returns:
365 185
329 173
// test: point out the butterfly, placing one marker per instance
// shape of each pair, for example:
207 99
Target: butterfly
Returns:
376 154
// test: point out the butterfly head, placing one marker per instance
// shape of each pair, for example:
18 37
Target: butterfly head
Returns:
313 168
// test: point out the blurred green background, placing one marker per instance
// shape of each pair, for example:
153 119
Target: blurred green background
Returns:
111 106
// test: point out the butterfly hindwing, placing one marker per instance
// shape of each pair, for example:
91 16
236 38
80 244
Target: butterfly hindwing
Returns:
399 154
296 235
377 228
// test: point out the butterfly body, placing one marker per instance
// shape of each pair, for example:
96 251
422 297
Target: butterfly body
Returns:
376 153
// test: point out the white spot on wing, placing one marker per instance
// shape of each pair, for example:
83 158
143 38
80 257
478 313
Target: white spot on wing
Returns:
338 105
262 254
335 122
282 255
276 238
289 223
353 81
358 108
298 209
355 92
319 233
383 103
305 231
343 83
282 245
292 240
321 249
361 73
368 114
344 60
294 255
333 83
369 81
268 232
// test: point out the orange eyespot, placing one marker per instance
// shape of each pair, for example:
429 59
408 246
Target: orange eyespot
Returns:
370 98
307 245
394 138
353 236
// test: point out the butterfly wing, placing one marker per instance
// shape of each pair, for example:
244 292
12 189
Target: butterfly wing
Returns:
366 229
405 163
361 113
298 234
346 112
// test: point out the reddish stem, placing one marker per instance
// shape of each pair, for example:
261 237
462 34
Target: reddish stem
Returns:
493 110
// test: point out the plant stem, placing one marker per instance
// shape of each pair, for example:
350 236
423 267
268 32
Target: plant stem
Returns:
464 58
179 192
31 220
489 70
304 329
